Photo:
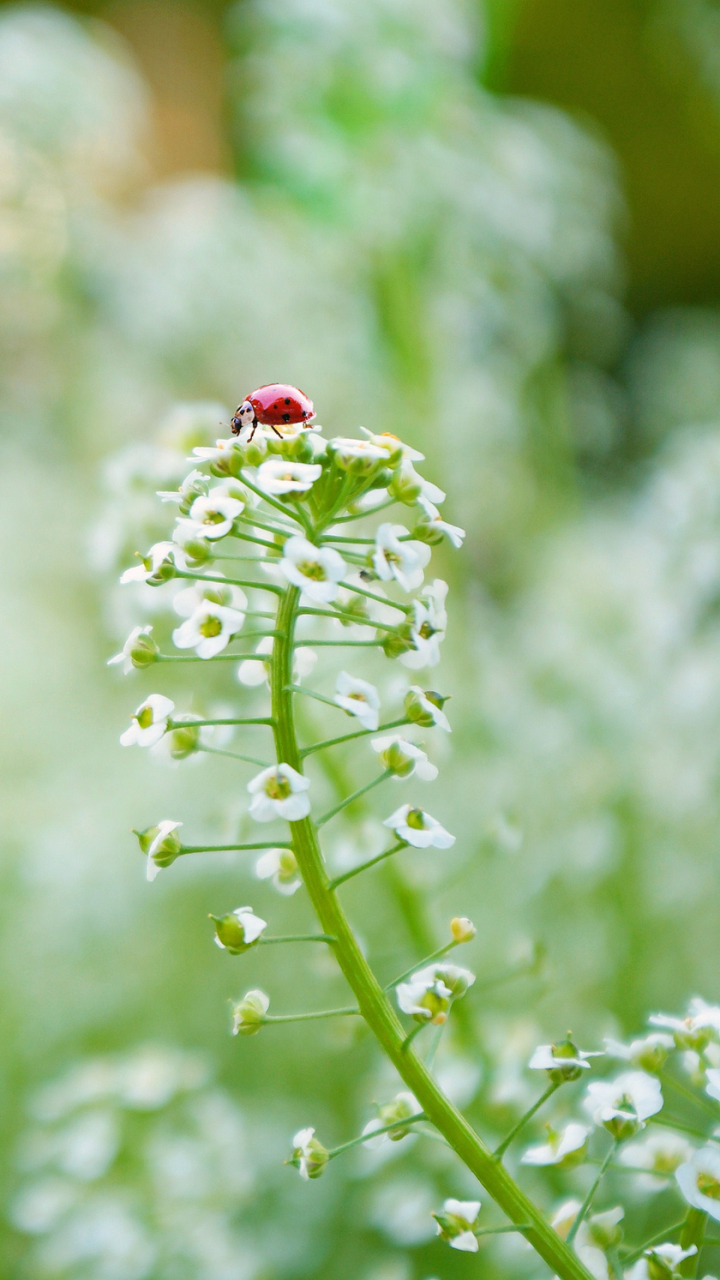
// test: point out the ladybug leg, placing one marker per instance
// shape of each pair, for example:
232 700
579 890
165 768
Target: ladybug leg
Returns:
277 433
253 429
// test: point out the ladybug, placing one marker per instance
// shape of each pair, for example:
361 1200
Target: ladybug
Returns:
274 405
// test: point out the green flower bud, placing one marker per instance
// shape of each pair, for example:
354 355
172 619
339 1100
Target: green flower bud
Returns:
422 707
249 1013
401 1108
309 1155
161 844
423 532
462 929
604 1228
142 650
406 484
182 739
398 641
238 930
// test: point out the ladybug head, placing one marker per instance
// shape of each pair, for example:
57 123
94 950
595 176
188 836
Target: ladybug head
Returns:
244 417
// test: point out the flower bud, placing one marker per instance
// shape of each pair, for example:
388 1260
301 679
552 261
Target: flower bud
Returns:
402 1107
398 641
604 1229
182 740
249 1013
238 930
424 531
230 463
462 929
162 845
309 1155
406 484
425 708
195 551
456 1221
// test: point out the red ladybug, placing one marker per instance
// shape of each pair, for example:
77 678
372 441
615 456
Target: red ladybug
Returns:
274 405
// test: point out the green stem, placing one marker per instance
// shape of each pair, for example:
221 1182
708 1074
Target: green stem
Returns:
499 1231
382 777
224 848
374 1004
347 644
230 582
360 591
587 1202
499 1151
693 1231
656 1239
297 516
421 964
348 617
298 937
310 693
696 1098
376 1133
234 755
365 866
345 737
312 1017
667 1122
219 657
361 515
199 724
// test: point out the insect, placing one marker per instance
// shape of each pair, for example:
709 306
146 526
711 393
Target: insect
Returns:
274 405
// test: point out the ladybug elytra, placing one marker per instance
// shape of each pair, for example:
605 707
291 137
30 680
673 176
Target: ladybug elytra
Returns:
275 405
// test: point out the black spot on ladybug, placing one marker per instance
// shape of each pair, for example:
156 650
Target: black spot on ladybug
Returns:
287 399
286 417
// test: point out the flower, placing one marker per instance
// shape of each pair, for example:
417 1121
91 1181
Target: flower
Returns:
279 791
239 930
209 629
402 1107
154 568
433 526
225 451
193 486
428 627
393 448
309 1155
280 866
426 708
361 457
648 1054
462 929
562 1061
150 721
191 549
248 1014
408 487
139 650
161 844
699 1181
455 1223
564 1148
214 514
358 698
404 758
700 1025
404 561
661 1262
428 994
594 1236
182 740
662 1152
418 828
623 1105
253 671
316 569
277 476
186 601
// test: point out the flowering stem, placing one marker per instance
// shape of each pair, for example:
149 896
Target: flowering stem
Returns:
296 515
376 1133
341 616
365 866
320 822
374 1004
199 724
218 657
381 506
298 937
420 963
310 693
587 1202
352 644
272 587
360 591
285 530
223 848
692 1233
500 1151
311 1017
688 1094
233 755
498 1231
345 737
668 1123
249 537
661 1235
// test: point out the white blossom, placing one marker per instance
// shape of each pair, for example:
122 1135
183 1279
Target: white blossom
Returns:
659 1152
161 845
276 476
194 484
434 522
699 1181
360 456
238 930
309 1155
404 758
409 487
279 791
701 1024
280 866
563 1056
253 671
221 451
455 1223
560 1148
150 565
249 1013
138 650
209 629
595 1235
317 570
358 698
149 721
404 561
647 1053
669 1257
213 514
422 710
393 448
623 1105
428 627
428 994
188 599
418 828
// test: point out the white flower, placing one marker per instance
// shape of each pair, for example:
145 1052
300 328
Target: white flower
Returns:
161 844
359 456
699 1181
428 994
359 699
276 476
309 1155
570 1142
402 1107
623 1105
249 1013
194 484
435 523
563 1059
661 1152
404 758
701 1024
279 792
669 1256
409 487
209 629
648 1053
418 828
594 1236
219 452
139 650
428 627
393 448
404 561
214 514
280 866
149 721
316 569
151 565
455 1223
187 600
238 930
253 671
421 708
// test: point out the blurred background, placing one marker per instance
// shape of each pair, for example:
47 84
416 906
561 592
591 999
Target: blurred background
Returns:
492 229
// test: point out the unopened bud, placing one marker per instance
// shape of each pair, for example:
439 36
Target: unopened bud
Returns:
425 708
398 641
309 1155
604 1228
238 930
249 1013
462 929
402 1107
142 649
162 845
182 739
406 484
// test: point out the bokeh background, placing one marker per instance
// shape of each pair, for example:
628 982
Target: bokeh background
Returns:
492 229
